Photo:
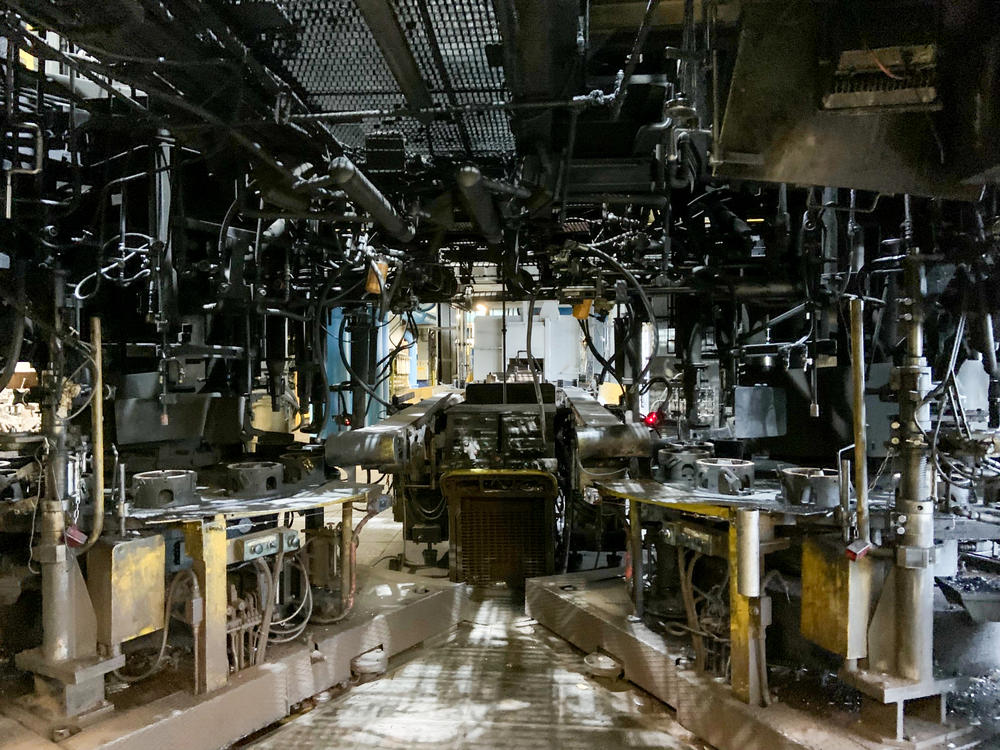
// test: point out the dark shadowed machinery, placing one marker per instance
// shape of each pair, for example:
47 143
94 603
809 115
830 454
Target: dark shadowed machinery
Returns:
673 318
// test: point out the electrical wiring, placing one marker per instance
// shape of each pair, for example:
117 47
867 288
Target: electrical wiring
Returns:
167 616
266 618
615 473
280 631
384 365
431 515
347 365
534 369
642 296
585 327
349 607
304 579
686 579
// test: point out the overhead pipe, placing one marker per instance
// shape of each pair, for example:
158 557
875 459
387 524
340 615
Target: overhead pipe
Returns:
506 189
651 200
360 190
479 203
381 20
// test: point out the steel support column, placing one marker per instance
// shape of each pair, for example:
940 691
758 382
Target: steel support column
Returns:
206 544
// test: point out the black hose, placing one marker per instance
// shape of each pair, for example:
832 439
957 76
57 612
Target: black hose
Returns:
645 302
350 370
585 327
16 333
534 369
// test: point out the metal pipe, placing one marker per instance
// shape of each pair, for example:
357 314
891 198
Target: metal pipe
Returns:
633 58
748 552
347 561
860 417
845 497
57 607
335 217
384 26
97 436
360 189
359 115
653 201
505 188
635 534
914 505
479 203
574 115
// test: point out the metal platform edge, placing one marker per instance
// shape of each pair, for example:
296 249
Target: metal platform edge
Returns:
578 608
260 696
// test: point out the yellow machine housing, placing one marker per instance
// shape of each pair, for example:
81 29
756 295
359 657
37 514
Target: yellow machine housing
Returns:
125 579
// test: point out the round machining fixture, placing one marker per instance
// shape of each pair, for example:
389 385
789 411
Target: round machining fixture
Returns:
803 485
303 465
255 478
679 464
164 489
727 476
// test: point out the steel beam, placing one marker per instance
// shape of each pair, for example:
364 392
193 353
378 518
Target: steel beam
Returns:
391 41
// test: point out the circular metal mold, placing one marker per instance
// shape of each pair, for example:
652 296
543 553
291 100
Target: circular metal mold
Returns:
727 476
162 489
303 466
255 478
803 485
680 464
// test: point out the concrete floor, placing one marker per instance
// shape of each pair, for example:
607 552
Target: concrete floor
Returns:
498 680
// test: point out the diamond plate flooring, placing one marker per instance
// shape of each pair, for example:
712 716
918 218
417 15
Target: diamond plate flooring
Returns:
498 680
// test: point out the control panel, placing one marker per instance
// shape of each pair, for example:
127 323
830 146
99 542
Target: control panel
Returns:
263 544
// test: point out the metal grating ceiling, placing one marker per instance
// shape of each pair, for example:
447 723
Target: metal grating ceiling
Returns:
337 62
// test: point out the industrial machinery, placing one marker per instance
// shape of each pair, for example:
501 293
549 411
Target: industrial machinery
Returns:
494 472
727 273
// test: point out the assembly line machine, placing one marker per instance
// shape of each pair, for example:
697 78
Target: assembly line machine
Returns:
729 268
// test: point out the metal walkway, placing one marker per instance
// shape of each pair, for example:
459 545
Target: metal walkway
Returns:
499 680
